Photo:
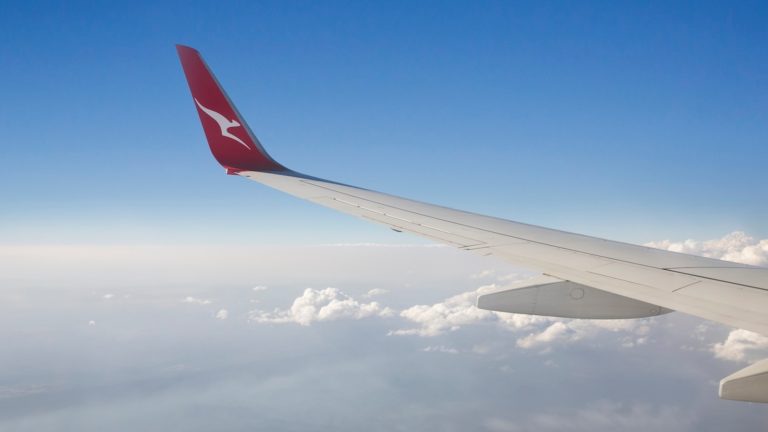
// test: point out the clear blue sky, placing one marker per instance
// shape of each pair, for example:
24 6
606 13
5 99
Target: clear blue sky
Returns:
632 121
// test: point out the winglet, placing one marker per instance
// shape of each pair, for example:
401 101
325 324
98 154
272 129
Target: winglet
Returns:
229 137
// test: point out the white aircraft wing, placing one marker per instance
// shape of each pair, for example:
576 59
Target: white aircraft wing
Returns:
585 277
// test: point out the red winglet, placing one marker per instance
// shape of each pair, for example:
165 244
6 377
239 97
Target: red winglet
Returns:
231 140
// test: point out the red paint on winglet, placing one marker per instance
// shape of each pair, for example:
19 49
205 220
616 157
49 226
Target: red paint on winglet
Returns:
229 137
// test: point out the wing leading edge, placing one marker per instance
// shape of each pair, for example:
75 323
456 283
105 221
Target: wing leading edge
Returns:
630 280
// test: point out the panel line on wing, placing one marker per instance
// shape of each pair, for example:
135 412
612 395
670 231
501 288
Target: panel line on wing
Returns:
516 237
405 224
699 274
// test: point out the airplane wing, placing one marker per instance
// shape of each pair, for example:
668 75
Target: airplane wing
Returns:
584 277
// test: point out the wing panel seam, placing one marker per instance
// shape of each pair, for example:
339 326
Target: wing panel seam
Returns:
514 237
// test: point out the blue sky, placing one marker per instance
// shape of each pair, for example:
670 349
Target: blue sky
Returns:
630 121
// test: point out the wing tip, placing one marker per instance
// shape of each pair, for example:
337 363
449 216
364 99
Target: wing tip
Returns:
230 139
186 48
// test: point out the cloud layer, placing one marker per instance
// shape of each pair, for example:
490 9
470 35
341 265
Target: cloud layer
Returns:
155 359
532 332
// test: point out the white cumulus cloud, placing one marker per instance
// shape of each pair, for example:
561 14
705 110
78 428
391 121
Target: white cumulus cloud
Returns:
736 246
458 311
222 314
483 274
321 305
376 292
441 349
195 300
448 315
565 331
555 331
739 345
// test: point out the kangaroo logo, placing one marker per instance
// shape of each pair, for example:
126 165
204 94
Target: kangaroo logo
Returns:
224 123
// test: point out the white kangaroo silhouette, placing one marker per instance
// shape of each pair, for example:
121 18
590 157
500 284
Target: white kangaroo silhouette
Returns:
224 123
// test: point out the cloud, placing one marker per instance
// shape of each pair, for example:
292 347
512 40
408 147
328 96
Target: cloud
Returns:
736 246
91 323
258 288
514 321
567 331
384 245
441 349
739 344
195 300
458 311
448 315
375 292
321 305
108 296
222 314
556 331
445 316
483 274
